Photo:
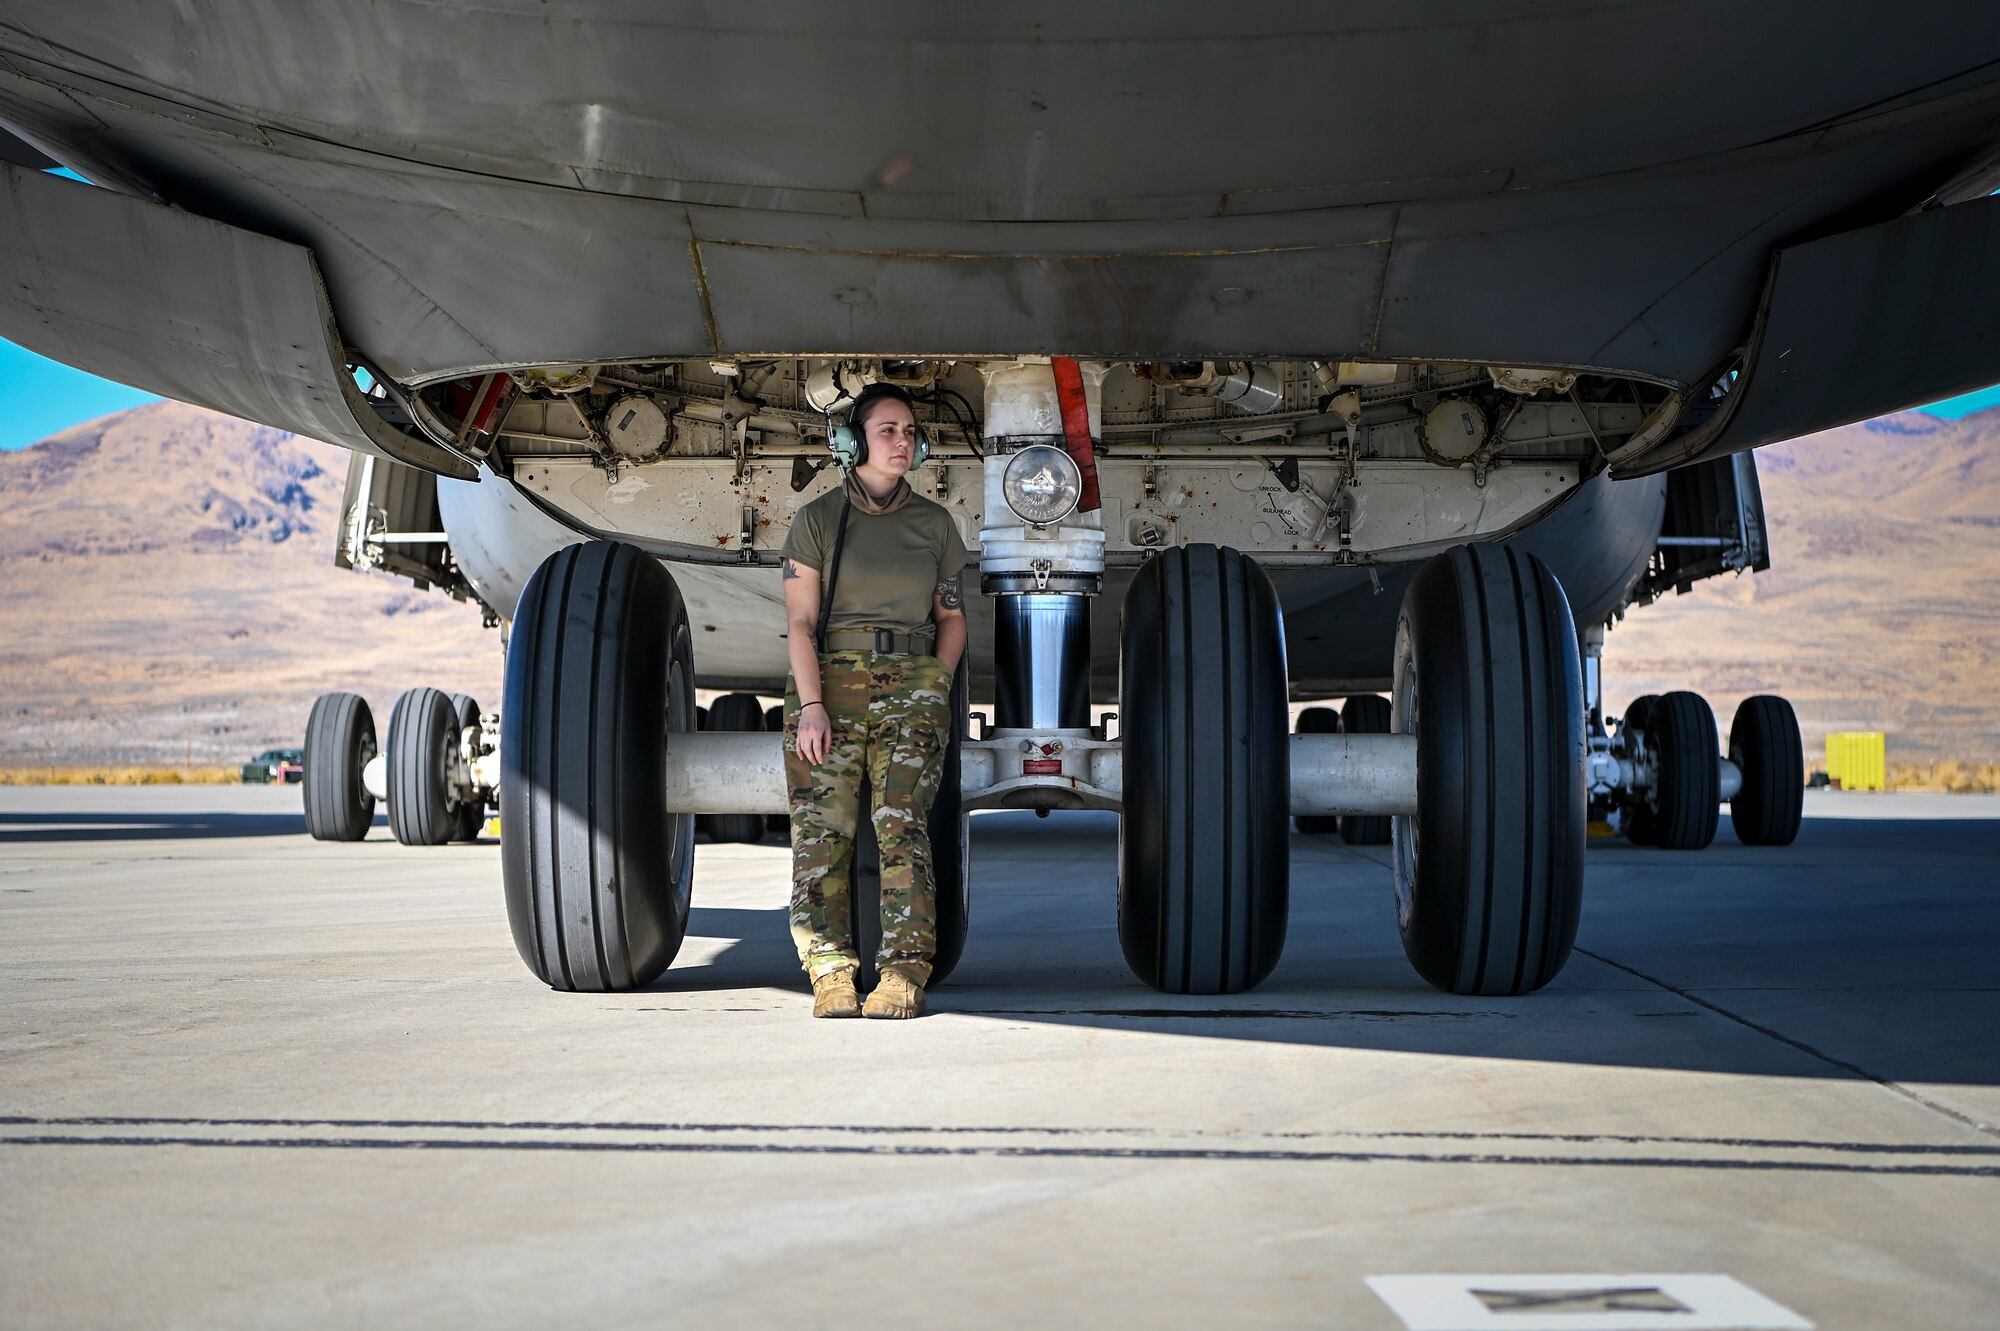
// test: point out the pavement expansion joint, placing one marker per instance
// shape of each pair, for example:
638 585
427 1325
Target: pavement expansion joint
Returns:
1894 1087
1139 1142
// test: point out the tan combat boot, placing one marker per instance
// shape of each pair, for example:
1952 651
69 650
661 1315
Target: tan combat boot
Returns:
896 996
834 995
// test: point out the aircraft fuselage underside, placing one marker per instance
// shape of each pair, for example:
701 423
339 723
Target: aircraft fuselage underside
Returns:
1333 476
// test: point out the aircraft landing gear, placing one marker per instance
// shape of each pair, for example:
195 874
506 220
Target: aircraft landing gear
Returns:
1365 714
1489 871
436 777
1660 773
340 743
423 739
1317 721
738 712
1687 788
1764 744
473 797
1203 869
600 676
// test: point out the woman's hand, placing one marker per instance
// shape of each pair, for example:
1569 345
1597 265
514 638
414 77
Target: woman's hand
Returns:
814 733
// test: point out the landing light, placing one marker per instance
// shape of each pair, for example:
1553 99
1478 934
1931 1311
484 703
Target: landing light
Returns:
1041 484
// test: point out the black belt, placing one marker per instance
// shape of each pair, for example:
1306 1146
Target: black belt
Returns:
883 642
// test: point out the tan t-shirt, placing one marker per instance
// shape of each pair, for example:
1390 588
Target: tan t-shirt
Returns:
890 566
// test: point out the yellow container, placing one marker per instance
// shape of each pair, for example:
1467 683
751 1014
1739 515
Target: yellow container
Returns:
1857 759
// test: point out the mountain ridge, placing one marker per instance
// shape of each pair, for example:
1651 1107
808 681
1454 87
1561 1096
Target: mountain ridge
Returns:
168 595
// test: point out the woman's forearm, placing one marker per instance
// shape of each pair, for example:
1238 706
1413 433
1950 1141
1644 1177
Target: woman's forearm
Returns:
951 640
803 653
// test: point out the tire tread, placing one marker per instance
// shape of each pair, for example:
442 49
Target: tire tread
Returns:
1203 863
1770 753
418 814
591 893
1501 815
338 806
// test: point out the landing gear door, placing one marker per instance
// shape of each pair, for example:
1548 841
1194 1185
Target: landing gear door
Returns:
1714 524
389 520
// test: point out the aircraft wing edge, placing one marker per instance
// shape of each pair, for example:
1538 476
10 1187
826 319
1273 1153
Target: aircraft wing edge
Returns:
176 304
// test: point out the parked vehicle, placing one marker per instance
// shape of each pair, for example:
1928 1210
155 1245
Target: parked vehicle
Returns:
276 766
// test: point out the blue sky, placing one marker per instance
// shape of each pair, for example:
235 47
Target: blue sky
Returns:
39 397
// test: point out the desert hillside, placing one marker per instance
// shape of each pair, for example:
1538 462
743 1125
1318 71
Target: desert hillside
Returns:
1881 609
167 594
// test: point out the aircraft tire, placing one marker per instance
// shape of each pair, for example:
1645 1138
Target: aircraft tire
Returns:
1317 721
1203 849
1365 714
950 829
340 740
1765 745
1637 820
735 713
423 729
600 675
1689 802
471 814
1489 872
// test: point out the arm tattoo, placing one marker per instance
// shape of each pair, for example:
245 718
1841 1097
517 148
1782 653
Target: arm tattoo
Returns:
791 571
948 594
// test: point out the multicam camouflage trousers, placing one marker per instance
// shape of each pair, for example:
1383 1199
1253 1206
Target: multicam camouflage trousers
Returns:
891 721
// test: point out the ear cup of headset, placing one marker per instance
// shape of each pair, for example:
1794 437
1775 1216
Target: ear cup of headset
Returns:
849 449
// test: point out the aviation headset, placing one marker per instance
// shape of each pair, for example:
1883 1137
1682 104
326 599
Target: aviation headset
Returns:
845 440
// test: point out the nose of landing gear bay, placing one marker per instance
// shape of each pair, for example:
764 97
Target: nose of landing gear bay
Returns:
1489 872
600 672
1203 877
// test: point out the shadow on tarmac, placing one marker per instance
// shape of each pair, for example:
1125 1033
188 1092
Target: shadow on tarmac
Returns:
1866 949
30 828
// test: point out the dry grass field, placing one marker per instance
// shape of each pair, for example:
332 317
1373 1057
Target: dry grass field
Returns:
118 776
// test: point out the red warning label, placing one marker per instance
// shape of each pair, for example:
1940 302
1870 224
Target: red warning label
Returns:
1042 767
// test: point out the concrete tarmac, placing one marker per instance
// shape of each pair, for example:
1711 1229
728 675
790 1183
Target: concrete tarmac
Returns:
250 1080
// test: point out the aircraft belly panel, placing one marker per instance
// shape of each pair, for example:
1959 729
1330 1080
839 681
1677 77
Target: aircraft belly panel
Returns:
1110 305
447 253
998 110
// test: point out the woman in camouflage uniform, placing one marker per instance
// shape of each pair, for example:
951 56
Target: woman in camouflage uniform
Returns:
870 703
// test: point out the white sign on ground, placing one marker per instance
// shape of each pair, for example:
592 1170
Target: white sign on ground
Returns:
1581 1303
